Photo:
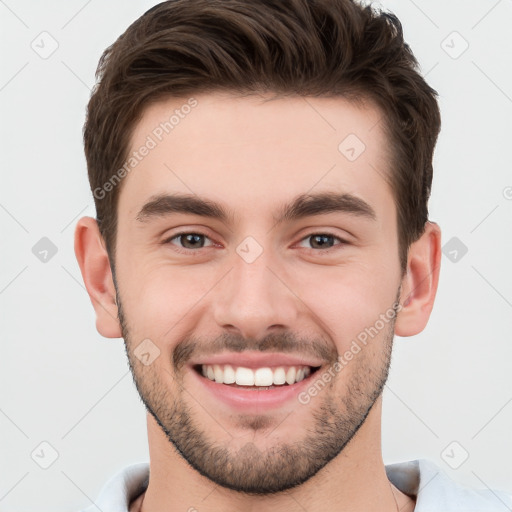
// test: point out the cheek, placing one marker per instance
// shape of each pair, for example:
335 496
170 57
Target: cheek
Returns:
158 297
348 299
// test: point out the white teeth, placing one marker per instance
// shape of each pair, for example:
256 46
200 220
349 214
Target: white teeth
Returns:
290 375
218 373
244 376
264 377
229 375
279 376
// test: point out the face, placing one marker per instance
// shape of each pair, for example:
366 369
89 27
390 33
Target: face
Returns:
257 243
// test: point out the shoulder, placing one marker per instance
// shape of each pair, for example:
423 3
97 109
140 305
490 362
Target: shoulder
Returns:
121 489
435 490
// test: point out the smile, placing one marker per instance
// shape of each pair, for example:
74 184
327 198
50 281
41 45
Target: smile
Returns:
253 390
262 378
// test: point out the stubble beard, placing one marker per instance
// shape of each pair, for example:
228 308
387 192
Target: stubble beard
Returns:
336 418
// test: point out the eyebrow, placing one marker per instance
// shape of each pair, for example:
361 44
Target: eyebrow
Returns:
304 205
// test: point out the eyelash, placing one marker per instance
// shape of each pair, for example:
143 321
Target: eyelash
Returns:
183 250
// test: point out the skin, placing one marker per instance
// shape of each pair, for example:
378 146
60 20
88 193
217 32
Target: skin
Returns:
253 156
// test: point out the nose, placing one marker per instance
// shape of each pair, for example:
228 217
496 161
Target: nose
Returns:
255 299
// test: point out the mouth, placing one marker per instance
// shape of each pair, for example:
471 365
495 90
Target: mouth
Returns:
254 382
262 378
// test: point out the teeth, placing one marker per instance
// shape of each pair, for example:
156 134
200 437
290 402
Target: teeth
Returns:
218 373
290 375
264 377
244 376
229 375
279 376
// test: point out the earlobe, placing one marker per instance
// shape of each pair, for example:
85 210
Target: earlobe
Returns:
94 265
419 284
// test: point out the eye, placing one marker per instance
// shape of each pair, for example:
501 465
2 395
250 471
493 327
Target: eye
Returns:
323 241
189 240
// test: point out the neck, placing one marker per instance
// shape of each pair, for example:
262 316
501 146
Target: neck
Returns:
355 480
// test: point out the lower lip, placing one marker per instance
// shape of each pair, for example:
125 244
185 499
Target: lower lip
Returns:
254 399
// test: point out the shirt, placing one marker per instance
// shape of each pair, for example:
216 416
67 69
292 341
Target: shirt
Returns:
433 489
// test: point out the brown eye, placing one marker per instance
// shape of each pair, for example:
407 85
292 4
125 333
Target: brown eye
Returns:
323 241
189 241
192 240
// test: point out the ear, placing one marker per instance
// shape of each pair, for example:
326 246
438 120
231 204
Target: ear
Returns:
93 260
419 284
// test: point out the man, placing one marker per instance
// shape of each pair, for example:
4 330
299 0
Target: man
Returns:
261 172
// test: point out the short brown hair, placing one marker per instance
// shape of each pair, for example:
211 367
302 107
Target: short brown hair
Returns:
330 48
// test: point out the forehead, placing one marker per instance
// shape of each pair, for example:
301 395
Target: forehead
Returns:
256 152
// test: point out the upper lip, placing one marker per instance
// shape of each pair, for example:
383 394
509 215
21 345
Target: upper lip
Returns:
258 359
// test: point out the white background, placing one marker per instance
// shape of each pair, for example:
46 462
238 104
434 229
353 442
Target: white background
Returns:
62 383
